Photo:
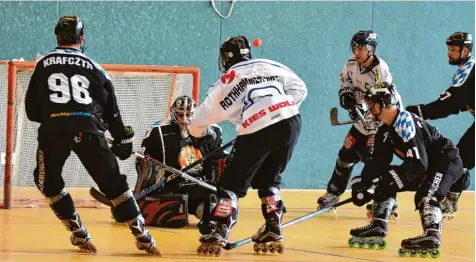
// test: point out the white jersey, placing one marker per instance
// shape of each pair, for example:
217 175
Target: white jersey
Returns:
252 95
358 78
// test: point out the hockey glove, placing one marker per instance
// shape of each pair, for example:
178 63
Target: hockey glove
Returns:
347 98
360 196
122 148
416 109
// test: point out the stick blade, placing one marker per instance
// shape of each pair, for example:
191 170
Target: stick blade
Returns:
99 197
334 116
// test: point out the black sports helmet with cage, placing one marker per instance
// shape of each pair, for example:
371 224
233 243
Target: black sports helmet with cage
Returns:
383 94
364 38
183 106
68 31
235 49
461 39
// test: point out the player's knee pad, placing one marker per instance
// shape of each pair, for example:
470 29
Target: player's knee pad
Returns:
343 168
272 207
168 210
226 210
430 211
62 204
462 183
125 207
348 157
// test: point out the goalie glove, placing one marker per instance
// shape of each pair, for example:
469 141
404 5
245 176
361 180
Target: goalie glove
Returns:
122 148
347 98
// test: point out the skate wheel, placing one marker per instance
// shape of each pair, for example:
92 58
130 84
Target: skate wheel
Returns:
362 244
351 242
382 244
424 253
395 215
217 252
371 244
256 248
369 214
413 253
280 248
402 252
264 249
200 250
272 249
435 253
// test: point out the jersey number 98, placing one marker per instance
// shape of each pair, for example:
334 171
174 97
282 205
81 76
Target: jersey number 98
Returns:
64 88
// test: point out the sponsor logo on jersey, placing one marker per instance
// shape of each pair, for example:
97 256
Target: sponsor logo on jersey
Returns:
60 114
188 155
262 112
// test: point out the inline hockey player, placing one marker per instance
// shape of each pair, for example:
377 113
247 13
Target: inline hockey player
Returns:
458 98
431 164
73 99
361 71
169 142
262 98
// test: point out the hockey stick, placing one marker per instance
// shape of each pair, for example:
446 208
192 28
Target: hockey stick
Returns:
104 200
335 118
290 223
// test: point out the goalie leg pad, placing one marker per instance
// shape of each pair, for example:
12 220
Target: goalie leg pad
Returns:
169 211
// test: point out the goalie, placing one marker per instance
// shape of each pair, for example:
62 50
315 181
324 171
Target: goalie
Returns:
169 142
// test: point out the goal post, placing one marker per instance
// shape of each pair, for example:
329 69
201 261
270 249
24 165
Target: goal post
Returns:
144 94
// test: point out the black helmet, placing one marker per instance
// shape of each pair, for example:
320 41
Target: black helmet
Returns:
383 94
461 39
69 30
364 38
235 49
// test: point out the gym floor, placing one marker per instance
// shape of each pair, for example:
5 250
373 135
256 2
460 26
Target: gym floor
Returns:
28 234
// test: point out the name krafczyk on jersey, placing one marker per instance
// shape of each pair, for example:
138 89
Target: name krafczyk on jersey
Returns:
63 60
236 91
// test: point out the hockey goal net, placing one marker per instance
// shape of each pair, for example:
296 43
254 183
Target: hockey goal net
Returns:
144 95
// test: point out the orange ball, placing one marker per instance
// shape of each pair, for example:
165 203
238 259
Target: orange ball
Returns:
257 42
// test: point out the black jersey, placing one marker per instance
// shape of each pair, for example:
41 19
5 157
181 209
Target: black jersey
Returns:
69 92
457 98
413 140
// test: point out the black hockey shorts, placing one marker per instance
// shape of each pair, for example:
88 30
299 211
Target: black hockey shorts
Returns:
92 150
258 159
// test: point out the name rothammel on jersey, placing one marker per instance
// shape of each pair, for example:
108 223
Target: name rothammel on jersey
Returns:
69 92
353 76
252 95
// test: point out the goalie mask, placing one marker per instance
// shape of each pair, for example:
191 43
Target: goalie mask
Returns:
70 31
235 49
182 111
